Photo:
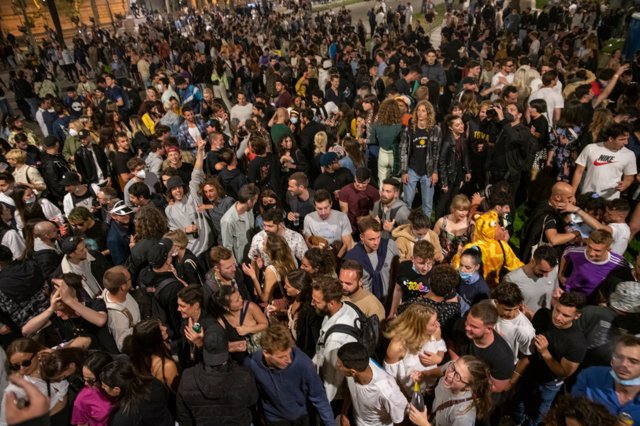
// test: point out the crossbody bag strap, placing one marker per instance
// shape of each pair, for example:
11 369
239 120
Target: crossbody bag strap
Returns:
448 404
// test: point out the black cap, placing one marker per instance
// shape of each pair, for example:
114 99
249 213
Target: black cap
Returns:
70 178
49 141
215 351
83 134
179 80
70 244
159 255
469 80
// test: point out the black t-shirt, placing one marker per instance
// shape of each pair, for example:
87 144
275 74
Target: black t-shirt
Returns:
418 159
333 181
120 162
64 330
498 356
567 343
96 237
412 284
541 125
210 161
185 171
265 172
154 410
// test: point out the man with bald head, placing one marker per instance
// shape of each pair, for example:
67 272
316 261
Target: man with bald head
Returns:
46 252
546 225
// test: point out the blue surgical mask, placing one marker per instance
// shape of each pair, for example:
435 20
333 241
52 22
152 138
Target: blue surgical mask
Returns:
469 277
630 382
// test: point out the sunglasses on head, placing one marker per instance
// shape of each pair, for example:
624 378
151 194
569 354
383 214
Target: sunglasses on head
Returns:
19 365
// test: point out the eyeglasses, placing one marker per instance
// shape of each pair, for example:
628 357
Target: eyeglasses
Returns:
19 365
456 376
89 382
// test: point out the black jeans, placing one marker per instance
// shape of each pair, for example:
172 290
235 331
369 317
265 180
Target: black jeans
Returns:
300 421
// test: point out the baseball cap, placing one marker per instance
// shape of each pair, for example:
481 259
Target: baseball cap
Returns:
328 158
172 148
84 133
215 351
626 297
70 244
120 208
49 141
70 178
161 251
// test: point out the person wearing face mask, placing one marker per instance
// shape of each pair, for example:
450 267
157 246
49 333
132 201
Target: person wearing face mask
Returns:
46 251
616 386
472 288
139 173
412 279
497 256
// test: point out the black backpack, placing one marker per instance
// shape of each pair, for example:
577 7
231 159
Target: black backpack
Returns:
147 298
365 330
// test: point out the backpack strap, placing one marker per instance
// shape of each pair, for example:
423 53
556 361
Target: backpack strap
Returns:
162 285
125 312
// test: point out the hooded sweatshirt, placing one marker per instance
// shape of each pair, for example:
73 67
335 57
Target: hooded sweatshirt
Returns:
405 240
285 391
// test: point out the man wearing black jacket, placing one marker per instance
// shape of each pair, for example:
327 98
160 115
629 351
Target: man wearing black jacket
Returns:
53 167
92 163
512 156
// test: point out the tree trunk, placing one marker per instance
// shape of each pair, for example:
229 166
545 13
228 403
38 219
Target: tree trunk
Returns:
96 14
27 23
53 11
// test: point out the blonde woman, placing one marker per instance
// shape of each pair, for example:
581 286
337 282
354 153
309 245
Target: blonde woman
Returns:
522 80
23 173
416 346
320 142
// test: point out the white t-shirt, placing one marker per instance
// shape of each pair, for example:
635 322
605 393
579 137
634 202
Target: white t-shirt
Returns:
621 235
403 369
333 229
537 292
378 403
551 97
518 333
605 168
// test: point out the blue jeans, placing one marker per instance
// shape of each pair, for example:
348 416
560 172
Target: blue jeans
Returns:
535 402
426 189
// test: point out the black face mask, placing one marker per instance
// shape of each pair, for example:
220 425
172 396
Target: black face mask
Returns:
268 206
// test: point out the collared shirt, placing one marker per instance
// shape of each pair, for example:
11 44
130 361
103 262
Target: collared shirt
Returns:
597 384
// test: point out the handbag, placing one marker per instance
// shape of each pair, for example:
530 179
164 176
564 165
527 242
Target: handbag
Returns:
253 339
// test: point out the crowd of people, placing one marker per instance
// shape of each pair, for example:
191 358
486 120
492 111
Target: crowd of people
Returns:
257 218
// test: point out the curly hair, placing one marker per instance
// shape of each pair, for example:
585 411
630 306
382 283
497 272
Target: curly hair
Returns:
150 223
410 327
389 113
581 409
431 115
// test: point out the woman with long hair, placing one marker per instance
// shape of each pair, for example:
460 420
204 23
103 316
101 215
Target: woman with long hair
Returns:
454 229
30 206
139 399
419 156
24 357
453 162
243 320
386 133
469 105
271 292
291 158
150 352
563 142
304 321
196 320
23 173
462 394
113 120
319 261
140 135
414 332
354 158
92 406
